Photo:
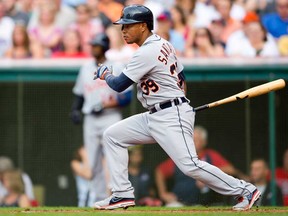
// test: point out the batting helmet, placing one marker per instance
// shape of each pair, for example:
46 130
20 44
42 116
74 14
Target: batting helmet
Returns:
136 14
101 40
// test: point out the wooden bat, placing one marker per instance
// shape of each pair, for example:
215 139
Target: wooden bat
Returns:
249 93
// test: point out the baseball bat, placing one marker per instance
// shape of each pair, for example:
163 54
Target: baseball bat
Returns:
249 93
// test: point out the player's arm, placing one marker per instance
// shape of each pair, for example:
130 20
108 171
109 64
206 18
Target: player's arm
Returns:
182 81
80 170
75 114
162 172
117 83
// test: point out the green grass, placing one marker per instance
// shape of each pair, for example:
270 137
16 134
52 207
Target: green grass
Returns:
144 211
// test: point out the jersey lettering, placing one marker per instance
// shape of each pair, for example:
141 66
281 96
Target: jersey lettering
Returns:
166 51
173 71
161 59
149 85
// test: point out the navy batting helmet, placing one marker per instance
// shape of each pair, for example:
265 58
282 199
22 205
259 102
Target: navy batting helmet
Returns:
136 14
101 40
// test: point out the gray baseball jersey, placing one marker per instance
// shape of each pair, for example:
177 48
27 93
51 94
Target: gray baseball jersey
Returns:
154 67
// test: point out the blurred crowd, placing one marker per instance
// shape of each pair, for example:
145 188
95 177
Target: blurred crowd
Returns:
196 28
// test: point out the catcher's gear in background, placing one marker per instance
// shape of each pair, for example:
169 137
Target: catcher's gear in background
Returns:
101 40
136 14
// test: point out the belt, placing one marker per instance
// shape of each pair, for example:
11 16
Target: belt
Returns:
168 104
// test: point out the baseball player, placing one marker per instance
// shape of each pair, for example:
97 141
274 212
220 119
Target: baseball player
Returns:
100 106
169 120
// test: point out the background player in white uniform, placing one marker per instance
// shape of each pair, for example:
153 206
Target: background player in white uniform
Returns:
169 121
100 106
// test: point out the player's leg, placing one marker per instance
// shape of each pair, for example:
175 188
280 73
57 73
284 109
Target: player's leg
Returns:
117 138
175 137
94 149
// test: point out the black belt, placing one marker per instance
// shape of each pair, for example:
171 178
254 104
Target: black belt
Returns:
169 104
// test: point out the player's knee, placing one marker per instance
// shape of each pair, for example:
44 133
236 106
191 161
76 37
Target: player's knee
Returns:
107 135
190 169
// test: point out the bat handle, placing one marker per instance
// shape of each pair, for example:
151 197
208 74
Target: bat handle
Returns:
196 109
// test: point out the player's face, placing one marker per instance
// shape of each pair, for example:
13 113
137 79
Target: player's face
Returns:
97 51
132 33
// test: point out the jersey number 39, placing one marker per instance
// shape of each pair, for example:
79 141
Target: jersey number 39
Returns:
149 85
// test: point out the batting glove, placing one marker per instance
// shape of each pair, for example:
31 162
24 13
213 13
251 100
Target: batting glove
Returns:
102 70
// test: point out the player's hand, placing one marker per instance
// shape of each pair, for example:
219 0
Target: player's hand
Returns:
102 70
76 116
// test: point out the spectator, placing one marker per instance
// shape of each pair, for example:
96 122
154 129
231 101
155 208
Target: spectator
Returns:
96 14
283 45
73 3
253 41
277 23
259 173
207 11
187 7
216 27
13 12
282 177
119 50
196 193
141 179
86 27
83 174
110 8
165 29
180 27
70 46
26 6
46 32
21 47
6 164
204 45
64 15
261 7
6 29
15 197
230 24
101 108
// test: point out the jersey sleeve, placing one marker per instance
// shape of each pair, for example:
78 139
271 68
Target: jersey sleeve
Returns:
140 64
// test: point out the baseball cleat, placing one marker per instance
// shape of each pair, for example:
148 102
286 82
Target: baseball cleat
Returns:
111 203
246 202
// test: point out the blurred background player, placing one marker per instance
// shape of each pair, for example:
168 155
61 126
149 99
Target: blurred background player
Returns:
259 174
100 106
